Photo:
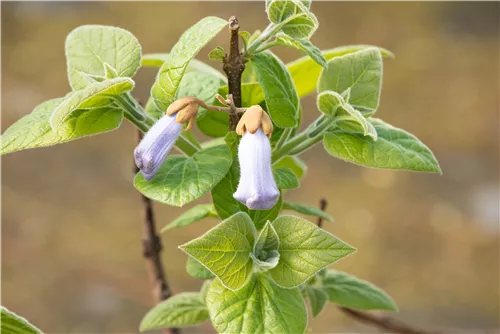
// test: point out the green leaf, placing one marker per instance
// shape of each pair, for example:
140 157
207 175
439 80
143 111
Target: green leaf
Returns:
317 299
305 71
34 130
195 65
361 72
182 310
265 251
285 178
225 250
294 163
14 324
183 179
204 85
349 291
333 104
267 240
204 290
222 194
217 53
192 215
245 36
151 110
395 149
259 307
304 250
197 270
92 48
95 95
281 97
190 43
307 210
305 46
294 18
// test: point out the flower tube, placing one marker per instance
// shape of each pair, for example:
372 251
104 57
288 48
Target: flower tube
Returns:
154 147
257 188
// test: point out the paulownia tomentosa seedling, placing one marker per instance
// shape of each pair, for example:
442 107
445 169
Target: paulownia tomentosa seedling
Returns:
259 266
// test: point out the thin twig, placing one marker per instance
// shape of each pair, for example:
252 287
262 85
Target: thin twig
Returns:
227 102
152 247
382 322
233 67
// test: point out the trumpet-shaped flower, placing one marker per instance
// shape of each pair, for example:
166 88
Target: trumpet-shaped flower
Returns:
156 144
257 188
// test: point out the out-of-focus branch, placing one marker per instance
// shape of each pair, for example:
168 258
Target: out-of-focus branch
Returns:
382 322
152 248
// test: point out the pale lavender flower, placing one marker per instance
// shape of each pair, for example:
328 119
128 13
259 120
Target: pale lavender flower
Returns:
257 188
156 144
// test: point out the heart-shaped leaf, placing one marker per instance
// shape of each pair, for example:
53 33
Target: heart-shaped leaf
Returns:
225 250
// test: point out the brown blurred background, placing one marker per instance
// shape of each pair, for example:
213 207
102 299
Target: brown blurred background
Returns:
71 219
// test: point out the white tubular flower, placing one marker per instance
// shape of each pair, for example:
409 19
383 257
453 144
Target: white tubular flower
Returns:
156 144
257 188
158 141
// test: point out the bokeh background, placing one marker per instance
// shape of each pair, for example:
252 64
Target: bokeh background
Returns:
71 218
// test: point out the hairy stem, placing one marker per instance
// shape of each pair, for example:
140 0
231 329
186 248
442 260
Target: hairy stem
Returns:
233 67
152 247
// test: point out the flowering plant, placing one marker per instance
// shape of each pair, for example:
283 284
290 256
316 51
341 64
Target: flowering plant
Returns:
259 266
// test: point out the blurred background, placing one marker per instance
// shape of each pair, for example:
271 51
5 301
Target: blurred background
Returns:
71 218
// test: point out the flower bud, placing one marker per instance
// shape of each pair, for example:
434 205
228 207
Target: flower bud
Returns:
253 119
257 188
186 109
156 144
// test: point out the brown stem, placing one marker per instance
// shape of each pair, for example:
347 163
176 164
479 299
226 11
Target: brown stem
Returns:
233 67
152 247
382 322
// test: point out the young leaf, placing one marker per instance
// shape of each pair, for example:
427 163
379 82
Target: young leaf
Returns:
192 215
95 95
333 104
304 250
204 290
285 178
294 163
14 324
361 72
183 179
225 250
197 270
349 291
395 149
34 130
267 240
217 53
307 210
294 18
172 70
317 299
195 65
281 97
92 48
259 307
182 310
305 46
151 110
265 251
305 71
245 36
